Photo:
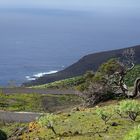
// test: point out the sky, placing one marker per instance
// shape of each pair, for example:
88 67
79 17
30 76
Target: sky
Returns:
69 4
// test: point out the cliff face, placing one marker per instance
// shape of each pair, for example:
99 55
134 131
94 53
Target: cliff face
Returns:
88 62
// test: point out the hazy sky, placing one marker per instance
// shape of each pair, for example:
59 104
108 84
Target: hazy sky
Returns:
69 4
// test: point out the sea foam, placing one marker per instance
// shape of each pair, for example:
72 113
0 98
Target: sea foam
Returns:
35 76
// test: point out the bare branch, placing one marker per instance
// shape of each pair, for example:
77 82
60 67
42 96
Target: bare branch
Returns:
132 67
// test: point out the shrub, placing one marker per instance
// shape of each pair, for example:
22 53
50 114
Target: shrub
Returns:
88 76
110 67
104 114
134 134
99 78
131 108
86 79
82 87
96 93
48 121
118 111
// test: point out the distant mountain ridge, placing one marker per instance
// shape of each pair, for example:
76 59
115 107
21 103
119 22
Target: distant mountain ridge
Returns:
88 62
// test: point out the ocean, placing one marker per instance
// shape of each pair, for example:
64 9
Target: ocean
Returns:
34 42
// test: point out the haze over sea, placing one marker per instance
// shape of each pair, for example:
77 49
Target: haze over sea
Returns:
40 39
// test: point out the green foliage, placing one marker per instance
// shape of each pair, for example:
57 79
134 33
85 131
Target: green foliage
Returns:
130 108
99 78
82 87
104 114
132 75
84 124
89 75
110 67
89 79
47 119
38 102
21 102
105 72
66 83
9 128
134 134
118 111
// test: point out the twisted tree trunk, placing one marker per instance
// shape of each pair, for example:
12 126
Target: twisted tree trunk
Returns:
136 90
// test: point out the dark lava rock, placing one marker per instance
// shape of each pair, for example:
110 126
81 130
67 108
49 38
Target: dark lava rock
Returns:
114 124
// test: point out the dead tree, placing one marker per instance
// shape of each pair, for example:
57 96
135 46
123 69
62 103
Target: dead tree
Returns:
96 93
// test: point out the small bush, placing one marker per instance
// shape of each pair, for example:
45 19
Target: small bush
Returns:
48 121
134 134
104 114
118 111
131 108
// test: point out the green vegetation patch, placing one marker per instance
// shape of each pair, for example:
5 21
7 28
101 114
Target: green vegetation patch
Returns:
38 102
63 84
56 103
10 128
134 134
84 124
20 102
132 75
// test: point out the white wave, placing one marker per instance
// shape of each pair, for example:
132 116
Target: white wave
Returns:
43 73
30 78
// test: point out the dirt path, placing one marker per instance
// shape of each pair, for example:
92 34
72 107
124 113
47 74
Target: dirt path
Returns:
7 116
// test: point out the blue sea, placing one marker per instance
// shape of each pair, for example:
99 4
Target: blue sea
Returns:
34 42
